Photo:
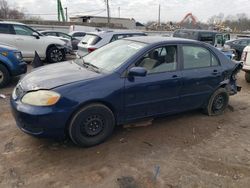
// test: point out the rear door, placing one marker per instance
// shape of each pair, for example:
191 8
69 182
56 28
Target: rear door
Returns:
201 73
7 34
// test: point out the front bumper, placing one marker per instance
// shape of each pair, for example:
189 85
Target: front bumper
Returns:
46 122
21 68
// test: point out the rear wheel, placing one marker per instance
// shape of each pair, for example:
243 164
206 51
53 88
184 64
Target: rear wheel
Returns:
247 77
218 102
55 54
91 125
4 76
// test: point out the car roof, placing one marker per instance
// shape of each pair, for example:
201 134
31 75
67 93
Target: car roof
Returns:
10 22
159 39
72 32
105 33
52 31
197 30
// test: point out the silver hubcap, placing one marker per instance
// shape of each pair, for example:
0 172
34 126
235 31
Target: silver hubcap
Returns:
56 55
1 76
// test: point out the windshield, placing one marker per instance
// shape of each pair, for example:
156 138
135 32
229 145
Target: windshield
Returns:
113 55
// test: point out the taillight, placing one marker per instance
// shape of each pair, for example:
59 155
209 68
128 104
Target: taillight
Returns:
91 49
244 56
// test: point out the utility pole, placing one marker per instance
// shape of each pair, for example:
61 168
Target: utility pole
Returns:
159 16
66 12
119 11
108 13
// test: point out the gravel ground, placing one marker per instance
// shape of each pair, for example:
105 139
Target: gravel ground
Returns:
184 150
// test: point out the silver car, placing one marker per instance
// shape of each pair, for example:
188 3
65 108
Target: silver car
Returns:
94 40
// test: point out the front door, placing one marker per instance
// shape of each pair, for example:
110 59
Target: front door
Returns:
158 91
27 43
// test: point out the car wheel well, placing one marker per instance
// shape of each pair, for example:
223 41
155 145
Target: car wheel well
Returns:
50 46
108 105
1 63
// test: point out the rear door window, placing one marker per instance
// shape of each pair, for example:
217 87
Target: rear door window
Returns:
5 29
64 36
90 39
198 57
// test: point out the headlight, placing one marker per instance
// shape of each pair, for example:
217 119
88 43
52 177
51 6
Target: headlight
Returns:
18 55
4 53
41 98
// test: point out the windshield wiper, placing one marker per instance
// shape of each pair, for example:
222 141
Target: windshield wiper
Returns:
93 67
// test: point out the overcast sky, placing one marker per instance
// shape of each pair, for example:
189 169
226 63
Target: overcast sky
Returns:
141 10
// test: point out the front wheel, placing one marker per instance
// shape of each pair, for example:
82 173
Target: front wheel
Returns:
4 76
55 54
91 125
217 103
247 77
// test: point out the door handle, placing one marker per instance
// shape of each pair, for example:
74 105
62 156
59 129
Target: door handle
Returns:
174 76
19 39
215 72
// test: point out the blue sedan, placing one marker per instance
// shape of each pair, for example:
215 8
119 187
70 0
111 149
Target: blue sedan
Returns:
122 82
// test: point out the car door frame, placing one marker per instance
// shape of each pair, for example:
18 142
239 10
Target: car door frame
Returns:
132 64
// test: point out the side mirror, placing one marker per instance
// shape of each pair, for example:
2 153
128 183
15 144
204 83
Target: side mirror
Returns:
137 71
36 35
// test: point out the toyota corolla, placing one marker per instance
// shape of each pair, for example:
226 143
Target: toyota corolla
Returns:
122 82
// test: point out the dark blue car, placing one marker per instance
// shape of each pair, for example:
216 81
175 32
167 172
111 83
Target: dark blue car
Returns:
11 64
122 82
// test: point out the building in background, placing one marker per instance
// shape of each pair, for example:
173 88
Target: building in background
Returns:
120 22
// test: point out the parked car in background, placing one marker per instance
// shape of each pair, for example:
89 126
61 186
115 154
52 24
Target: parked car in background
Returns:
214 38
71 42
94 40
246 62
77 34
121 82
11 64
27 40
238 45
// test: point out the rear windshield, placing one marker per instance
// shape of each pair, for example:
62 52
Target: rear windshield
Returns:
90 39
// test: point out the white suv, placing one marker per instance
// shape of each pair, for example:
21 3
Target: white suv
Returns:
27 40
245 57
94 40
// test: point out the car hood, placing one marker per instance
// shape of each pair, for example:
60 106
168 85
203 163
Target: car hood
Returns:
56 75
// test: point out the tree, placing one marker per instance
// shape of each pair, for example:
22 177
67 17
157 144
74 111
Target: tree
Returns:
9 13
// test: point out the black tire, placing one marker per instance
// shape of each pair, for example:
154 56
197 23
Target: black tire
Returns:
91 125
4 76
217 103
55 54
247 77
